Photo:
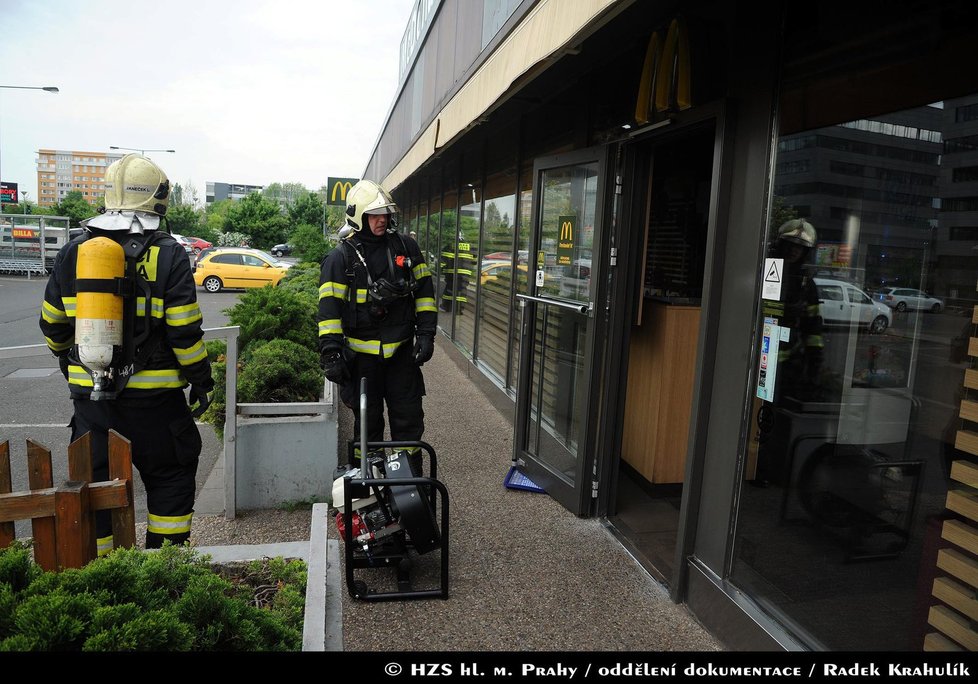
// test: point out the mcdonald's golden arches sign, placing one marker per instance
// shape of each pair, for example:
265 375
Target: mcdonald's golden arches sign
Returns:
666 83
566 239
336 189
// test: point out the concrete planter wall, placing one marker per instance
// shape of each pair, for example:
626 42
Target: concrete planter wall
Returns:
284 452
322 618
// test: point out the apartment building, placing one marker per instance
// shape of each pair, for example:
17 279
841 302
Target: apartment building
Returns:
62 171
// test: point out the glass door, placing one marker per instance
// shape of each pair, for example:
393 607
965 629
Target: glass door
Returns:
555 407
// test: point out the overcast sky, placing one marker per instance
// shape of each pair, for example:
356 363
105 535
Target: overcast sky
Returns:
245 91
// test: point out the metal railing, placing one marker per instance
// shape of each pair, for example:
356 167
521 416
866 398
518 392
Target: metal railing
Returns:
232 408
230 334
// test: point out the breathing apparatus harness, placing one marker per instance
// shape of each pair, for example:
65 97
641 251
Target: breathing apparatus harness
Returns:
381 292
111 373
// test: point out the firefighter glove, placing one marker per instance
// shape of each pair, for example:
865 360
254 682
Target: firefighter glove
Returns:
334 367
424 347
200 397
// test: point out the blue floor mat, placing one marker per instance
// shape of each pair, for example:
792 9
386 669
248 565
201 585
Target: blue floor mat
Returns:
517 480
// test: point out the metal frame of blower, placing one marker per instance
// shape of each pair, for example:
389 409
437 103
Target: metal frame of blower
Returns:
362 487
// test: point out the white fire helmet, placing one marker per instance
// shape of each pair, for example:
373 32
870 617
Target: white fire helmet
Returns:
367 197
137 194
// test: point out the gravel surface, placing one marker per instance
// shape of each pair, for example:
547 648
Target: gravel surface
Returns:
248 527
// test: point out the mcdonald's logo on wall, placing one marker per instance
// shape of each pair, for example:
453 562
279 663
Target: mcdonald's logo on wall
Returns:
666 83
566 240
336 189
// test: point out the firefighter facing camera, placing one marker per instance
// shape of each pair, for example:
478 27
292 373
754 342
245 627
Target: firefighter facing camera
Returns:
377 316
120 312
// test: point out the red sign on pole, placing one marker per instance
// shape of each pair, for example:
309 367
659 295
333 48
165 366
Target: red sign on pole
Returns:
8 193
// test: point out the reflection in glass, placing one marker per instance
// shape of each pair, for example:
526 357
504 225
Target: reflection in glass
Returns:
467 270
522 259
448 283
848 466
496 306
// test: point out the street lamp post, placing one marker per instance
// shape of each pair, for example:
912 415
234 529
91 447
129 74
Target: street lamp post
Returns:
49 89
137 149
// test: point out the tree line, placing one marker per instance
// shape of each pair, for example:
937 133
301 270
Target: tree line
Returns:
282 212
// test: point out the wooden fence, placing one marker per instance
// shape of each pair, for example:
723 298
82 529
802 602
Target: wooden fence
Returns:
63 518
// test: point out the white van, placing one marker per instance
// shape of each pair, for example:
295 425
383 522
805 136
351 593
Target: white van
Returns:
843 303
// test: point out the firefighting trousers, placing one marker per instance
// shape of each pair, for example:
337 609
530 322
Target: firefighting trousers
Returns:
396 381
166 448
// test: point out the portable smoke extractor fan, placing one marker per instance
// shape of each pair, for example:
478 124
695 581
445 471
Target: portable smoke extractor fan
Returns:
386 514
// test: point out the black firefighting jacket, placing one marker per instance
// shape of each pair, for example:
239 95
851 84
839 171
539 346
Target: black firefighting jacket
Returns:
346 310
174 354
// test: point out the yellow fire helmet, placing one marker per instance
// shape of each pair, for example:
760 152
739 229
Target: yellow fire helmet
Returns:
367 197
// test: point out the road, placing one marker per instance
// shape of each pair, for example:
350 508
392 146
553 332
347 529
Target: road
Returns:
34 401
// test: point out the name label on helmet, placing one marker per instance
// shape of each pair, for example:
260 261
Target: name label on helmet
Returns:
133 187
146 266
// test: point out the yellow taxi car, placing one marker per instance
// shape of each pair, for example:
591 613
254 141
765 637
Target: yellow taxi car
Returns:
237 267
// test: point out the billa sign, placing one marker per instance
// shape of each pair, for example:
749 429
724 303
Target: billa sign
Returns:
8 193
566 240
24 233
336 189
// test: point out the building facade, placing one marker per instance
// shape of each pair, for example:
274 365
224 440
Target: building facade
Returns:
601 188
234 191
62 171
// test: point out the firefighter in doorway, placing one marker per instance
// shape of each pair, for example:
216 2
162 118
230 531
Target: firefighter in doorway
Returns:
120 312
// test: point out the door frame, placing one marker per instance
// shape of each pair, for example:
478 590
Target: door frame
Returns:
579 499
628 230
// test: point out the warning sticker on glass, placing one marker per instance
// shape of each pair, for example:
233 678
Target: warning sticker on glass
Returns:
773 269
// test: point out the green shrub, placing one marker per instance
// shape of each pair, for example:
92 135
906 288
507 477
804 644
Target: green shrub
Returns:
302 277
280 370
272 313
132 600
309 244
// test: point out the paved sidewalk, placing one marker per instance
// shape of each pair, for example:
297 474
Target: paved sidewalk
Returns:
525 574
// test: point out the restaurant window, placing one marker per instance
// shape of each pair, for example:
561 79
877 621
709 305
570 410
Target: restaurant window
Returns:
496 271
448 283
861 384
522 257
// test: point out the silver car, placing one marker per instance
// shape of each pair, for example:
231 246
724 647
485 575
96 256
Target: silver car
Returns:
903 298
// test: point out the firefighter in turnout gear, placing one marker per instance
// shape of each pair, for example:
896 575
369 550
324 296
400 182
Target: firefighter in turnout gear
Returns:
120 312
800 358
377 317
457 268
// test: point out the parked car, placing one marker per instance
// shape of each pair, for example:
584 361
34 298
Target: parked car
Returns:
494 270
903 298
197 244
237 267
843 303
184 242
284 249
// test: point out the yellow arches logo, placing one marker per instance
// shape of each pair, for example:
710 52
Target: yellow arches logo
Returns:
337 188
565 243
666 81
567 231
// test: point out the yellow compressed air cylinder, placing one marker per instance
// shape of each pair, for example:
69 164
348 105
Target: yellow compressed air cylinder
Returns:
98 315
